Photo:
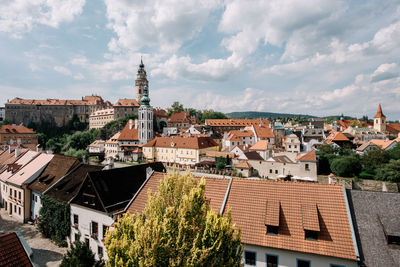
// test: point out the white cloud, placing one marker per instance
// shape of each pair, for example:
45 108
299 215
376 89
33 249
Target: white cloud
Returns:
164 24
68 72
19 16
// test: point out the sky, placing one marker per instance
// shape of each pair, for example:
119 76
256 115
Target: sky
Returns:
310 57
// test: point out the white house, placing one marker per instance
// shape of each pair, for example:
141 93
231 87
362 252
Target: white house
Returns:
102 196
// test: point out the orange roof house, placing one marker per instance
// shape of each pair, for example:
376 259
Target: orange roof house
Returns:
302 218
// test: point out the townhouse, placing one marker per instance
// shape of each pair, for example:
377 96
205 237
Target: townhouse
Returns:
19 197
185 151
17 134
59 166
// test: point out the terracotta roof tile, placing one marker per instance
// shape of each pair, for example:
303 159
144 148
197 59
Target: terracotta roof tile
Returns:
129 134
260 145
393 128
244 165
124 102
236 122
86 101
182 142
309 215
334 239
17 129
12 252
383 144
310 156
272 213
183 116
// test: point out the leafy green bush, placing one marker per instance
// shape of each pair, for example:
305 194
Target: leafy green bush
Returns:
389 172
347 166
80 255
54 220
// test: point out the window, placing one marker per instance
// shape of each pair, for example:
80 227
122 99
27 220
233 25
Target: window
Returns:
76 237
272 260
307 167
393 240
19 210
311 235
303 263
87 241
290 146
95 228
100 251
250 258
272 230
15 208
76 219
35 198
276 171
270 170
19 195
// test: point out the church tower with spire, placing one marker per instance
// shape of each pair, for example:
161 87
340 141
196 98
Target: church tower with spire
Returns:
145 119
380 120
141 83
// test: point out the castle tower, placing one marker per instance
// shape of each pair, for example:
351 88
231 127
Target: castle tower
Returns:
145 119
380 120
141 82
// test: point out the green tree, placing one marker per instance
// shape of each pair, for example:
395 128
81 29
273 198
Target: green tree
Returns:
54 220
175 107
389 172
78 141
394 153
79 255
177 228
346 166
373 159
326 154
211 114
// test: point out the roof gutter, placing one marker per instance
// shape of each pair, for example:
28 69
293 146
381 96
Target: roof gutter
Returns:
226 196
353 235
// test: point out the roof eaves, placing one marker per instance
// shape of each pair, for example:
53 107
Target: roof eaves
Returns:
353 235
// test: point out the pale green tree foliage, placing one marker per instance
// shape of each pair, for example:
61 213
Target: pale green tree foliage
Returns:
177 228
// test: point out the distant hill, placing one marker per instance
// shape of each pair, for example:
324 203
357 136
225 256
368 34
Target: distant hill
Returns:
256 114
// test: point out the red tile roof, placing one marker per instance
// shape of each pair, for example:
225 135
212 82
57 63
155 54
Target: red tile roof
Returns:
248 199
194 142
336 136
160 113
243 165
126 103
379 113
15 129
12 252
263 131
87 100
183 116
129 134
260 145
310 156
393 128
236 122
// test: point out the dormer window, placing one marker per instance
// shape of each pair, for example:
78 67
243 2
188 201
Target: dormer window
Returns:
393 240
311 227
272 216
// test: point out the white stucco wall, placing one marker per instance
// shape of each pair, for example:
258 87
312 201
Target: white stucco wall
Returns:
294 169
36 204
86 216
288 258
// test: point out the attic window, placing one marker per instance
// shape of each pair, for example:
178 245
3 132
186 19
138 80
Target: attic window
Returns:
393 240
309 213
271 220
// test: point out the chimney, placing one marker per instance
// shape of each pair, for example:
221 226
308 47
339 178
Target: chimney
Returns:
17 152
136 124
130 124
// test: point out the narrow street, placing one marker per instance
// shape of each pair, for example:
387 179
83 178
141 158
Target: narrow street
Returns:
45 252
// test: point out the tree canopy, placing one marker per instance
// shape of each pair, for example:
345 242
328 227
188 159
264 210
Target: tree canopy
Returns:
178 227
80 255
